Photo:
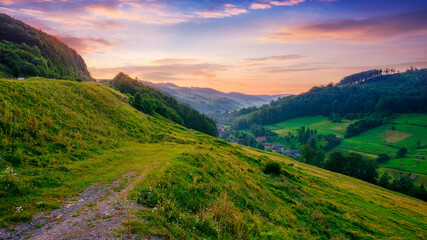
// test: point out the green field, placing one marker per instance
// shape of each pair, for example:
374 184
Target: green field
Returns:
405 130
321 123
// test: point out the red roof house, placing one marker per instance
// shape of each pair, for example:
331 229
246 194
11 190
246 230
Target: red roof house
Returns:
261 139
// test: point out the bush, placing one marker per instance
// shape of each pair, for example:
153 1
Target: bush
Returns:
272 167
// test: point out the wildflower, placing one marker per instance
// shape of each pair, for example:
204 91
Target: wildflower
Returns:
18 209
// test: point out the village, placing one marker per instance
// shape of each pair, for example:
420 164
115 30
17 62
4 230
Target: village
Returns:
224 133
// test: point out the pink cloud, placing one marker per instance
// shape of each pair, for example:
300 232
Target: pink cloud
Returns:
229 10
167 69
256 6
355 30
85 45
276 58
286 2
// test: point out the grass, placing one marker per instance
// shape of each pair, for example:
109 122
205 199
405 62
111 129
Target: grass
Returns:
195 186
321 123
404 131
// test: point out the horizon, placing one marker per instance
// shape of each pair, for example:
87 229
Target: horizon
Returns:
258 47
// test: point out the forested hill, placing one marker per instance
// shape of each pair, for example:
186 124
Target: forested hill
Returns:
25 52
361 94
153 101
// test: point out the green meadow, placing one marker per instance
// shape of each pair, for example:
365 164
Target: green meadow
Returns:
59 137
321 123
405 130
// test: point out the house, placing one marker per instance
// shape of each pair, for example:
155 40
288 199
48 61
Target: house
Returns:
292 153
277 147
261 139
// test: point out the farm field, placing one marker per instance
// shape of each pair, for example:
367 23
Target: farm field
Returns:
321 123
404 131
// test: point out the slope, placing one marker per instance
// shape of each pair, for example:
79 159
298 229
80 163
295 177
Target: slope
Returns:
26 52
185 184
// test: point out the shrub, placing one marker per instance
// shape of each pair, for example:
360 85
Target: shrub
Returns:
272 167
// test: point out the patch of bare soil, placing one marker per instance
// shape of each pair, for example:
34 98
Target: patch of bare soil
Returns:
93 214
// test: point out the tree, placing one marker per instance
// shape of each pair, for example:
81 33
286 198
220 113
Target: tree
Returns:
421 192
384 180
335 162
382 158
402 152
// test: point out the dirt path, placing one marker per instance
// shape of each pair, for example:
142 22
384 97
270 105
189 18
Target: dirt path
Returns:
93 214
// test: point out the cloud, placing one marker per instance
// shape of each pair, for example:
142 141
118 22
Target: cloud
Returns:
171 61
85 45
229 10
276 58
167 69
286 3
291 69
91 13
256 6
356 30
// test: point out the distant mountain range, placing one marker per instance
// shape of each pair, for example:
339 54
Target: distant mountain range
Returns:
210 101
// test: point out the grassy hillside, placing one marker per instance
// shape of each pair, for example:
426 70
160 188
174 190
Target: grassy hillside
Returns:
60 137
25 52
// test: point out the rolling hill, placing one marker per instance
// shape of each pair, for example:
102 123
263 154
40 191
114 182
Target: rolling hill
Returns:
213 102
28 52
92 166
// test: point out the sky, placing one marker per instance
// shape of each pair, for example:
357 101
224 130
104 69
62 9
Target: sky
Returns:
248 46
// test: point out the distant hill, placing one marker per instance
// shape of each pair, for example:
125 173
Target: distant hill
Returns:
153 101
26 52
211 101
355 96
